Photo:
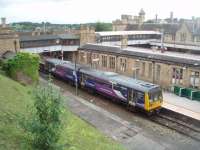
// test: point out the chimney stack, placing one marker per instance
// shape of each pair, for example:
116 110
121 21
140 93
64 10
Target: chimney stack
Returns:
171 17
3 22
156 19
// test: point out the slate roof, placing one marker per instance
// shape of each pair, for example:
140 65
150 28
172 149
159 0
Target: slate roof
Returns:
111 33
193 28
24 38
168 28
146 54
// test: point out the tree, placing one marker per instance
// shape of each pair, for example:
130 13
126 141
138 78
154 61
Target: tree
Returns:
100 26
46 124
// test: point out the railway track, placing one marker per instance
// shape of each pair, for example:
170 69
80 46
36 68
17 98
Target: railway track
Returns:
164 119
177 125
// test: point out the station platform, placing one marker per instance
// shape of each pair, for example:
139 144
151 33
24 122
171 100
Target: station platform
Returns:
181 105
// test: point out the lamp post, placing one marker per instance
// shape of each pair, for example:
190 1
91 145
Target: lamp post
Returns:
75 73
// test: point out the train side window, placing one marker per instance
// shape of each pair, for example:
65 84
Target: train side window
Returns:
140 96
120 88
106 84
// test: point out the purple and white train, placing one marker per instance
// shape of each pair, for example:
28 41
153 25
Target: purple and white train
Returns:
132 92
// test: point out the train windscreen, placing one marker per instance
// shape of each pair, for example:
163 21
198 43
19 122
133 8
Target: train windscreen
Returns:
155 95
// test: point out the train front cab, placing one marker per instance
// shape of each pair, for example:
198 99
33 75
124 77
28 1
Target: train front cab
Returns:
153 101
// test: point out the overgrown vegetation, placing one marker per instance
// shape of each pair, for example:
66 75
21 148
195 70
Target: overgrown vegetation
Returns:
30 26
45 122
23 64
101 26
16 101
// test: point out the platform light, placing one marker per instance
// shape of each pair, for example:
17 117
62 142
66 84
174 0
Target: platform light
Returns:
184 68
137 60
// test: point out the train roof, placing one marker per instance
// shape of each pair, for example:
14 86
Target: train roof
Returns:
113 77
54 61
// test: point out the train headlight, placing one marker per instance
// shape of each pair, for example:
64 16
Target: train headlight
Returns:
53 69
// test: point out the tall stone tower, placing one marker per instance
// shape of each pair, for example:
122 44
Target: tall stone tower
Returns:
87 35
141 16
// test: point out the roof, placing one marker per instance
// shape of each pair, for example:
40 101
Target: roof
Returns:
115 78
48 37
111 77
144 54
168 28
193 28
8 55
112 33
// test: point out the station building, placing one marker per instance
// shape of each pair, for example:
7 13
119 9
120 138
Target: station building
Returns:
9 40
164 68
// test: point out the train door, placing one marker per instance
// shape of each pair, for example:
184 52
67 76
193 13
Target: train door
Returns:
82 79
131 97
140 99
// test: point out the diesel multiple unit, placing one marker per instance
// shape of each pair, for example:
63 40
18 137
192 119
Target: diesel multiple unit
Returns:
132 92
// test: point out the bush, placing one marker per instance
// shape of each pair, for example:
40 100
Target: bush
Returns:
23 63
44 126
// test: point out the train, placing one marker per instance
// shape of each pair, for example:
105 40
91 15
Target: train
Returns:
132 92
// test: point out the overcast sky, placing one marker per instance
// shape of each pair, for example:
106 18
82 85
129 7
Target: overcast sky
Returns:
81 11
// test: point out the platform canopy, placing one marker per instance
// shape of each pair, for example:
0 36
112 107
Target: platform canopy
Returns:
51 49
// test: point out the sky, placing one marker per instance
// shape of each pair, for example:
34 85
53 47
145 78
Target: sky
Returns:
83 11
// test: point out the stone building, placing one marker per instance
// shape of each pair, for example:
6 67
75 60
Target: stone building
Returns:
9 41
189 32
87 35
166 69
175 31
121 24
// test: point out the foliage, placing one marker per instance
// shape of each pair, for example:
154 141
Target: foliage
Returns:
100 26
14 99
23 62
45 126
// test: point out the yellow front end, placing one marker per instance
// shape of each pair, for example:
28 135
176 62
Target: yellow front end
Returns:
150 105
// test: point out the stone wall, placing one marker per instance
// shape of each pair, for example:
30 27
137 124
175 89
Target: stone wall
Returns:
9 41
141 69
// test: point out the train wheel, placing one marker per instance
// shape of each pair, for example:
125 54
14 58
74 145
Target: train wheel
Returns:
149 113
158 111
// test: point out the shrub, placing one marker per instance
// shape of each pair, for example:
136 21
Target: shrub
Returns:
44 125
23 63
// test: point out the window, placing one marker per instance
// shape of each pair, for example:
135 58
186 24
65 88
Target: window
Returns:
194 79
88 58
143 68
173 37
112 62
82 57
104 61
95 60
198 38
177 76
183 37
158 68
123 66
150 70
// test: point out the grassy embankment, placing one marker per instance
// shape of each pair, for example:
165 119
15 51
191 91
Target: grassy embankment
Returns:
14 99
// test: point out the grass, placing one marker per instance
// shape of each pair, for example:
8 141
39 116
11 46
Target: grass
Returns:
14 102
